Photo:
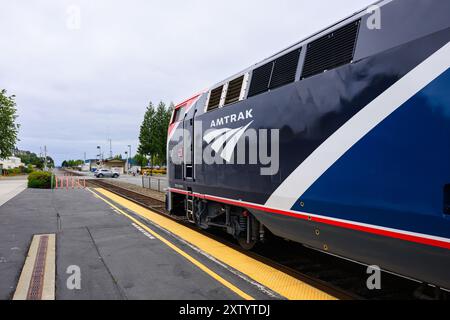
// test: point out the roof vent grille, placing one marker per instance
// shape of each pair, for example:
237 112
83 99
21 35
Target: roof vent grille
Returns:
260 79
331 51
285 69
275 74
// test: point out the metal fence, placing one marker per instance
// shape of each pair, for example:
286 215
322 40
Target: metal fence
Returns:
154 183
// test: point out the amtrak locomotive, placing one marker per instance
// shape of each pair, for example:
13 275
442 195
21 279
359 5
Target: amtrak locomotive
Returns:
340 142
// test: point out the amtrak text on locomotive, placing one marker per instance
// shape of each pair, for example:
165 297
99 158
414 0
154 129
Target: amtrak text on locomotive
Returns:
230 145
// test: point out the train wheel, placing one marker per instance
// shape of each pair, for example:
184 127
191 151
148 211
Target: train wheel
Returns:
247 246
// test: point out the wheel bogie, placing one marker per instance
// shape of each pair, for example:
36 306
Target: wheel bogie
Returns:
237 222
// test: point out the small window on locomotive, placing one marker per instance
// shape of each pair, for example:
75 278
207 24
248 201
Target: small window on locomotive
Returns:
234 90
179 114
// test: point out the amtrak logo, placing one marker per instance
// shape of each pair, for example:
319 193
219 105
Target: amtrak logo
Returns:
232 118
225 140
245 145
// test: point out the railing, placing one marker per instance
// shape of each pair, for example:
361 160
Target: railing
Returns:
154 183
68 182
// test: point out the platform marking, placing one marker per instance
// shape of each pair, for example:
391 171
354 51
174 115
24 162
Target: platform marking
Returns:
259 286
145 233
267 276
37 280
198 264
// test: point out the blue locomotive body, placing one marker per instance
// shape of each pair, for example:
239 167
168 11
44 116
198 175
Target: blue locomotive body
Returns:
341 143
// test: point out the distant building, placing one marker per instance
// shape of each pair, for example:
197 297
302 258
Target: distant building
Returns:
90 165
115 165
11 163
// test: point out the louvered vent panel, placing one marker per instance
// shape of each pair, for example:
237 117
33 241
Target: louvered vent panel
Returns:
285 69
260 79
234 90
214 100
331 51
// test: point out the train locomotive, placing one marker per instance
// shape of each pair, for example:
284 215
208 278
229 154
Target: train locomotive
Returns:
340 142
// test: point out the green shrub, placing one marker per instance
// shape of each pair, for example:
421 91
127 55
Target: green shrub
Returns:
29 169
14 172
40 180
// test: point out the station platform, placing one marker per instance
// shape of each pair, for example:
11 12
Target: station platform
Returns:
124 251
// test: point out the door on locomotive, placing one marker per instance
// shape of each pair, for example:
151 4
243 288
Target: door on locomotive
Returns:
188 148
188 164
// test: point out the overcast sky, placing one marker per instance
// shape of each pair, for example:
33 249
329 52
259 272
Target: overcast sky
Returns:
79 85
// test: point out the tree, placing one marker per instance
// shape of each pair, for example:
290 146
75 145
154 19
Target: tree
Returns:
140 160
160 133
169 113
146 135
51 162
153 133
72 163
30 158
166 125
8 127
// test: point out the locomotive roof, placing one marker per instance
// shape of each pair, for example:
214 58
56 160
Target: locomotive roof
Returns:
302 42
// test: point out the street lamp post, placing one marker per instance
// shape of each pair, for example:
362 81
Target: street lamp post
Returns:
129 155
110 149
99 154
127 166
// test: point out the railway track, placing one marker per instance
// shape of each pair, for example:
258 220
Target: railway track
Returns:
339 277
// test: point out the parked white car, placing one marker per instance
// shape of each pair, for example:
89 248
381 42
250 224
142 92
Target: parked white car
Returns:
105 173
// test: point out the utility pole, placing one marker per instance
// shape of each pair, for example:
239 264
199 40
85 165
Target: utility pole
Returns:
110 149
129 155
45 158
100 160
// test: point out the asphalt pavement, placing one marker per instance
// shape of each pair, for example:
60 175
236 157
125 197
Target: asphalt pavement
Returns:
117 260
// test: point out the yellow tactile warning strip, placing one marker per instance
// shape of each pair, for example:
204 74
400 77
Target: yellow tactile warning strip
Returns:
37 280
201 266
273 279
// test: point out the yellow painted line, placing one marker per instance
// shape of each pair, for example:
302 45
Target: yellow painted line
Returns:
48 291
273 279
198 264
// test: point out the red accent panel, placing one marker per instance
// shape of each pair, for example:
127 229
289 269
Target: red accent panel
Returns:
171 127
346 225
187 104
